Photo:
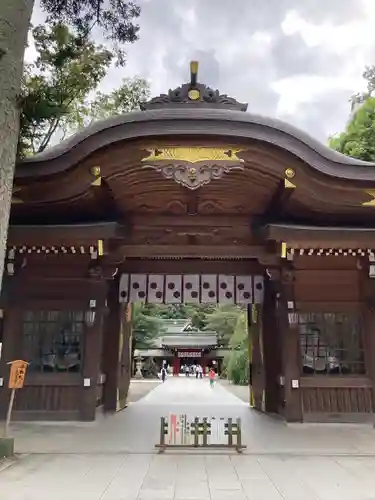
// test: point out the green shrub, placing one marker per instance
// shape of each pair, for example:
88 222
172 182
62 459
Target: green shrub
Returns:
238 367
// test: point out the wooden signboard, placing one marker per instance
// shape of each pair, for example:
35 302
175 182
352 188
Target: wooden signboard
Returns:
16 380
17 374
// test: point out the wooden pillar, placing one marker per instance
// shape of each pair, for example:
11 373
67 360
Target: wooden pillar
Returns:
367 296
91 362
257 358
291 364
124 356
272 347
112 329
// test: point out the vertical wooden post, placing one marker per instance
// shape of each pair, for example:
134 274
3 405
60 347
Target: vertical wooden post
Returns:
196 432
9 412
367 297
92 354
205 431
230 432
112 328
257 368
162 431
290 347
272 344
239 435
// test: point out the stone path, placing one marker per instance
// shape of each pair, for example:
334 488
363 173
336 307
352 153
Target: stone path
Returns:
114 458
136 429
183 477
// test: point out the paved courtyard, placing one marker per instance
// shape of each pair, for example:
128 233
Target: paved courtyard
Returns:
136 429
183 477
114 458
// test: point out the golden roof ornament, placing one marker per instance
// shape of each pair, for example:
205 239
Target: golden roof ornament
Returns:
194 94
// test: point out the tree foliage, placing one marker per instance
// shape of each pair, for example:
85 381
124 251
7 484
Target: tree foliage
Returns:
113 18
237 363
59 95
223 321
146 325
358 138
66 70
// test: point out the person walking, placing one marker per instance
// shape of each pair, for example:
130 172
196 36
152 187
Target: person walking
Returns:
212 375
163 373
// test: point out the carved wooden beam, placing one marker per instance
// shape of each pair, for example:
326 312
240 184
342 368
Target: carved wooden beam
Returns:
178 221
196 251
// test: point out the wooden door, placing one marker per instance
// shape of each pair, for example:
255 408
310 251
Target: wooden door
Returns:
124 358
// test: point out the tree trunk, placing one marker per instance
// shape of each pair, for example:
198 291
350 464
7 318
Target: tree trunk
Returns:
15 16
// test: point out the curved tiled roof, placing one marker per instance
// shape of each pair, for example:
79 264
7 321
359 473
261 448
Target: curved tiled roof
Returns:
203 122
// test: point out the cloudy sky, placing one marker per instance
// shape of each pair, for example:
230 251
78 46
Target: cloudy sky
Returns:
298 60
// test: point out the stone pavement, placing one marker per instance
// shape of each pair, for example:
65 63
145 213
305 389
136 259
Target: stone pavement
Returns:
136 429
188 477
114 458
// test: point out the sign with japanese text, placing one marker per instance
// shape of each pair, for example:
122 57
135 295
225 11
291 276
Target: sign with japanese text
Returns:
17 373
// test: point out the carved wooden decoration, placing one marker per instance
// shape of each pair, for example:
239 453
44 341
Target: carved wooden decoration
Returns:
194 288
194 167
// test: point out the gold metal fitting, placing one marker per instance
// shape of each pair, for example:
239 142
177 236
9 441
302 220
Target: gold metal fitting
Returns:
290 173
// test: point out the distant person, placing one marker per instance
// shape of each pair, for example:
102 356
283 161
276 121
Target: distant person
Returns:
200 371
187 370
163 374
212 376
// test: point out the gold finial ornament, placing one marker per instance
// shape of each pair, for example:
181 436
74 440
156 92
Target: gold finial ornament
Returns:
193 73
194 67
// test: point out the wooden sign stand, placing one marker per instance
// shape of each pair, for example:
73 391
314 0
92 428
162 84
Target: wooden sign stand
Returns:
200 431
16 381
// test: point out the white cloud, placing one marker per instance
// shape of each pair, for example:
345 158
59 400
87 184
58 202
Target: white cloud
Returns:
300 61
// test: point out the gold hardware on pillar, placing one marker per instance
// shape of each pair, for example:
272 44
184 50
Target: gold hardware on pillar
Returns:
100 248
283 250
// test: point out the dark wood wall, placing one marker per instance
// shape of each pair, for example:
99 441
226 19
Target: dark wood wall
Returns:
335 285
54 283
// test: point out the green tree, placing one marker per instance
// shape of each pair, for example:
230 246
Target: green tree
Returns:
114 18
57 89
358 139
237 363
223 321
128 97
146 325
65 71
